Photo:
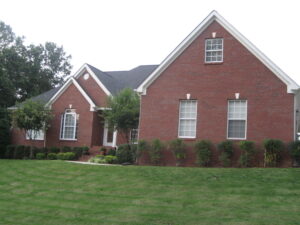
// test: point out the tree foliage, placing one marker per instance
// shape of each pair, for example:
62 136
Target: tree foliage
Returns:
32 116
123 114
4 130
28 70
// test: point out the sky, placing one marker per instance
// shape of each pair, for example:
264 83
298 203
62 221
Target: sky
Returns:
120 35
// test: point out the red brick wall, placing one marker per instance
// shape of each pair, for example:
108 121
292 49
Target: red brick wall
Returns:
18 138
270 108
93 90
84 135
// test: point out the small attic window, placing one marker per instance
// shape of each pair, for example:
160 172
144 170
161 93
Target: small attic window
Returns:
214 50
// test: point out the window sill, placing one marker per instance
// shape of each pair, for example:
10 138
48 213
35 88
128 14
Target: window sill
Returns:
213 63
68 139
35 140
237 139
188 138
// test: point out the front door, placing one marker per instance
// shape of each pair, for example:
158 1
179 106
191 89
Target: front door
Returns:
109 136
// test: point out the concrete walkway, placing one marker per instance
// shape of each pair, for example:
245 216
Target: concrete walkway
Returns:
90 163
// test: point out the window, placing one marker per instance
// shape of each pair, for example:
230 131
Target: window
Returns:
187 119
35 135
237 119
69 125
134 136
214 50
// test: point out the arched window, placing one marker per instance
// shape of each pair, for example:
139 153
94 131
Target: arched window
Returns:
69 124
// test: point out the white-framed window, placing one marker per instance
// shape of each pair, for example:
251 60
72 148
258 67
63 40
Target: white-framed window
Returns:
187 119
237 119
134 136
69 125
214 50
35 135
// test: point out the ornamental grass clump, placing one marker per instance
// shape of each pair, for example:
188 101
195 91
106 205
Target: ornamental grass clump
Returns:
273 150
178 147
203 152
226 150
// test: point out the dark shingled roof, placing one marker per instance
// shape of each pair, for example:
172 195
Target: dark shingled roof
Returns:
114 81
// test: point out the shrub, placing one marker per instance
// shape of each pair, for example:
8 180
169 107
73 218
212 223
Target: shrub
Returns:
226 149
85 150
273 149
27 152
294 150
203 151
69 156
19 152
125 154
66 156
40 156
248 152
155 151
110 159
111 151
103 150
142 146
78 151
33 151
66 149
98 159
61 156
10 151
54 149
178 148
52 156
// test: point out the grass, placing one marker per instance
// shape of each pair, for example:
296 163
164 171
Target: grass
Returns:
57 192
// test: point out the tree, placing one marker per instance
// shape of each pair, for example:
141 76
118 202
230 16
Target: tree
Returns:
4 130
32 117
26 71
123 113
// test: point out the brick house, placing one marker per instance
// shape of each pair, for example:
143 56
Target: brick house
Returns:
215 85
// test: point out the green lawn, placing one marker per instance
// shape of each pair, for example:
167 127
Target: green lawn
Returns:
61 193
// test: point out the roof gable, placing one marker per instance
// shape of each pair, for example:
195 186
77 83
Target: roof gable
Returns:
64 87
292 86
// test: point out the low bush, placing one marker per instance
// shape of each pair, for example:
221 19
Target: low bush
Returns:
178 148
273 150
66 149
142 146
125 154
66 156
97 159
54 149
78 151
52 156
226 150
111 151
103 150
19 152
155 151
10 151
203 151
27 152
248 152
85 150
294 150
110 159
41 155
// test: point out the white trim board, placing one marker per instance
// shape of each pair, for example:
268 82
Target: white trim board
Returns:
79 88
88 69
292 86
